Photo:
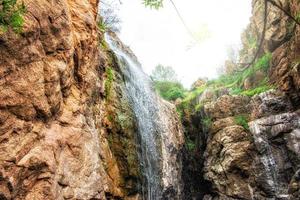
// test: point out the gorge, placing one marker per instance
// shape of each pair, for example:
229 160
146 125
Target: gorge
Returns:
79 119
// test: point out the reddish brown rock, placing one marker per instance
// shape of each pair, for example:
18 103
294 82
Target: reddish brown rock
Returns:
54 140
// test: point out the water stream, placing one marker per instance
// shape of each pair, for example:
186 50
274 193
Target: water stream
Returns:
145 107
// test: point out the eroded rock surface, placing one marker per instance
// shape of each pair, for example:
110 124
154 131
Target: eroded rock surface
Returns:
67 128
50 144
277 142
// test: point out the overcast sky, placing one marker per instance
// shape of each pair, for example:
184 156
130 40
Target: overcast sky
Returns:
159 37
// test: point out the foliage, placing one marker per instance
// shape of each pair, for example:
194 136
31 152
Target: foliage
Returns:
109 81
199 106
153 3
242 121
190 145
207 122
255 91
236 80
164 73
11 15
194 93
102 26
233 82
166 83
298 17
169 90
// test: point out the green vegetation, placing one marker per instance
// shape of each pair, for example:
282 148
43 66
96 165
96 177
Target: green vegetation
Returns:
153 3
190 145
110 118
102 26
11 15
207 122
298 17
194 93
257 90
235 81
109 81
123 120
169 90
242 121
199 107
166 83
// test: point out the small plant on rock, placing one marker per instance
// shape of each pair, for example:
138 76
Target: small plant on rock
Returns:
109 81
207 122
11 15
242 121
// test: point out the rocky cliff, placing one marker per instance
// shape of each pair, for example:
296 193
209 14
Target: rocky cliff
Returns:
67 128
243 146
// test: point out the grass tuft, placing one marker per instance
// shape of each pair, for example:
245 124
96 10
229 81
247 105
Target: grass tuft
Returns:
12 16
242 121
109 81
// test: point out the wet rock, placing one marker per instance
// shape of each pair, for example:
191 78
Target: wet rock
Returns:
276 141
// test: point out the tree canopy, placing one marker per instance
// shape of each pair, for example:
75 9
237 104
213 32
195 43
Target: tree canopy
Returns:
164 73
166 83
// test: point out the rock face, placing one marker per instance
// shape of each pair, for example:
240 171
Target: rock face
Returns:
258 163
67 127
50 144
281 38
248 147
276 139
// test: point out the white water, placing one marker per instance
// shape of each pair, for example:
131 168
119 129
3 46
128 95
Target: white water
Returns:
145 107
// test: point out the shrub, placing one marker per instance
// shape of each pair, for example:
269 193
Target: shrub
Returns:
236 80
175 93
190 145
194 93
108 82
102 26
242 121
199 107
153 3
11 15
169 90
207 122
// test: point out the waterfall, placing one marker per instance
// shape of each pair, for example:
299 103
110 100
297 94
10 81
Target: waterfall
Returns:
158 141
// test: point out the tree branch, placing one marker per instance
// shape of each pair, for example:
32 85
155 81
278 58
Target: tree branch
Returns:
261 39
283 10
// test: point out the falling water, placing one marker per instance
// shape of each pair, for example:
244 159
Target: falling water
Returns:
145 107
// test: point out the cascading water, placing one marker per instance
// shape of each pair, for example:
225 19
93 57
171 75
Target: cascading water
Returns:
159 167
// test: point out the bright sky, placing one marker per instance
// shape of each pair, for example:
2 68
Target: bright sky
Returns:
159 37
